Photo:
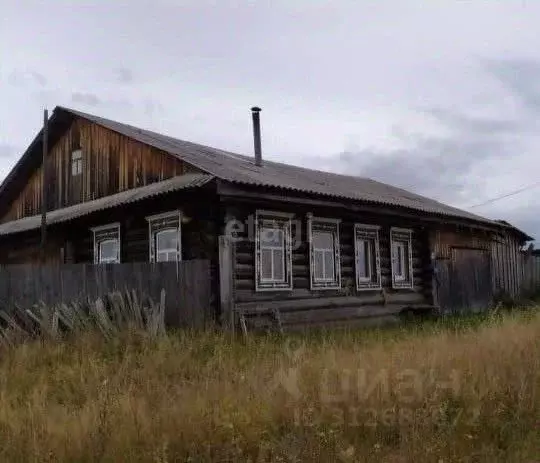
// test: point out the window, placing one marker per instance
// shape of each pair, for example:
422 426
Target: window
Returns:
107 244
367 259
402 272
76 162
108 251
165 243
273 251
323 235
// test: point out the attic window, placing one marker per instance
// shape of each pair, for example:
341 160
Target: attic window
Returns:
76 162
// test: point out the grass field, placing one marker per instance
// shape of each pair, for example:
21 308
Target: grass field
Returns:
437 392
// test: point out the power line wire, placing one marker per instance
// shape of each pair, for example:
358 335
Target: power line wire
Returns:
506 195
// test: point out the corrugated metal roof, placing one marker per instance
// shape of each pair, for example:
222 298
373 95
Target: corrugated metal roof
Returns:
129 196
241 169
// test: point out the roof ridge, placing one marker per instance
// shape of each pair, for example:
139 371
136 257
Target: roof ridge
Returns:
241 169
241 155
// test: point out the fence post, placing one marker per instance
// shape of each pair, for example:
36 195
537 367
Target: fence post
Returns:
226 291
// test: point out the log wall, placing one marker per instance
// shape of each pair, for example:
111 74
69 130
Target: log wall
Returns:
302 305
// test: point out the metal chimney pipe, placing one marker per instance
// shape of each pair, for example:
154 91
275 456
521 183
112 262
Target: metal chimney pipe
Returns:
257 135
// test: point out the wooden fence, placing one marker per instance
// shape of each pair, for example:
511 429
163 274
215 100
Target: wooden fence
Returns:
531 274
514 272
507 266
187 285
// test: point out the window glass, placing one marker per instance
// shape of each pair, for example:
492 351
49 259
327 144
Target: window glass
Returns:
279 265
318 266
272 237
323 256
401 248
272 242
266 264
405 260
367 251
329 265
364 251
108 251
399 260
106 244
323 240
273 251
167 245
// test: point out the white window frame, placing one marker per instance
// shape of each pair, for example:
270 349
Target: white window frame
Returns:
105 233
281 221
76 162
159 223
401 237
166 251
367 232
324 225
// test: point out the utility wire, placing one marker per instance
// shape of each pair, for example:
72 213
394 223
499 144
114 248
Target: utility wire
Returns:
507 195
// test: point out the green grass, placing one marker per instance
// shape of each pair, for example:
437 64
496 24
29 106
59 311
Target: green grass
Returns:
445 390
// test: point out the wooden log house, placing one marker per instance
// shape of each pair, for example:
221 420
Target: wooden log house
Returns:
321 247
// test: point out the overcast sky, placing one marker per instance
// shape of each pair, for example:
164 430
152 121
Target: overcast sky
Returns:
442 98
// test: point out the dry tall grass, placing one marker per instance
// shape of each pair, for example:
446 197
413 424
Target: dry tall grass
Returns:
407 395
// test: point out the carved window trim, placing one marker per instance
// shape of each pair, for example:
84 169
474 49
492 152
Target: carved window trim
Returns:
324 225
368 235
265 222
401 255
159 223
106 234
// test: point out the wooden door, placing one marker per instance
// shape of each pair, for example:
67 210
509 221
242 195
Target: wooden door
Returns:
464 281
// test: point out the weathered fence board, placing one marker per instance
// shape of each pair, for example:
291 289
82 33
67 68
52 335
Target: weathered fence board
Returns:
464 281
187 286
507 264
531 274
226 286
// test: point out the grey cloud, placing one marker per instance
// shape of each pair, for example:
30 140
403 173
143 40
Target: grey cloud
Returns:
21 78
47 96
437 175
149 106
437 166
124 75
85 98
152 107
448 167
39 78
441 169
480 126
7 151
520 77
526 219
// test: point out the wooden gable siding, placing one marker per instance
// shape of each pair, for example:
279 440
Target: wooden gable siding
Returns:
303 305
445 239
111 163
